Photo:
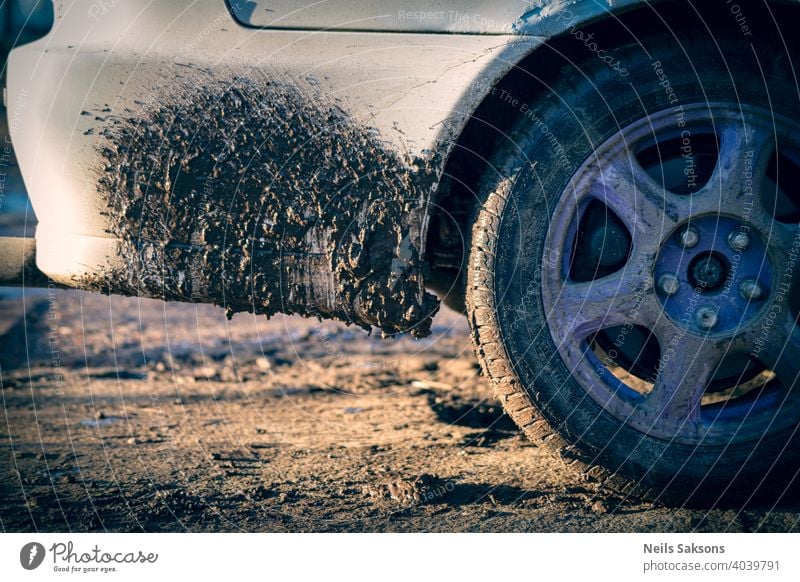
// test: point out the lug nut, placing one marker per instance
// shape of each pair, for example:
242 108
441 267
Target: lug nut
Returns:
751 290
689 237
668 284
739 240
707 317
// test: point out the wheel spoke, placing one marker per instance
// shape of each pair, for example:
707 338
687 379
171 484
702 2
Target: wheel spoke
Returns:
623 297
644 206
776 343
737 179
777 235
688 363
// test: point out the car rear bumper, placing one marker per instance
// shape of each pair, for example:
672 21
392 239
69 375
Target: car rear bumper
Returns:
360 124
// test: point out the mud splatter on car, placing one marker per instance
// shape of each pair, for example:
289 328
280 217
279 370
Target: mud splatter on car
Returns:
261 196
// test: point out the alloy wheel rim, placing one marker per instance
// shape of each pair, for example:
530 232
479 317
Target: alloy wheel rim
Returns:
685 329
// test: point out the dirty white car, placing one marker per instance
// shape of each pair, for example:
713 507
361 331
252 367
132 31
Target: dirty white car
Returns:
609 189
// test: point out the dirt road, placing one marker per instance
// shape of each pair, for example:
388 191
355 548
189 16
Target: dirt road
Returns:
128 415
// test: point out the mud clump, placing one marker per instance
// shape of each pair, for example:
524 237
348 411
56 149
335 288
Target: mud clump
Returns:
264 197
410 491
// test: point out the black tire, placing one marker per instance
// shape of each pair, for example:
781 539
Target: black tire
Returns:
582 106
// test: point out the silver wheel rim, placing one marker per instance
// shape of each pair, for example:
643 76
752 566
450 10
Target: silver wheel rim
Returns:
682 399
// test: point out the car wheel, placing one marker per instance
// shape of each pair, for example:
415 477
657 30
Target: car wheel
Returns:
632 281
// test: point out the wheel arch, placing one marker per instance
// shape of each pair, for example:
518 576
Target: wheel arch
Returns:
468 157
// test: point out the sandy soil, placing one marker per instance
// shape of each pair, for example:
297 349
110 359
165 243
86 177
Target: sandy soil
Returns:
128 415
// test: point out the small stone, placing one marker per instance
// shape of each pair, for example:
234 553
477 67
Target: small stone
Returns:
205 372
228 375
263 364
598 507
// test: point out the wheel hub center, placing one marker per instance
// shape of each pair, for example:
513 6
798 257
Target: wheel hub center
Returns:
708 271
713 274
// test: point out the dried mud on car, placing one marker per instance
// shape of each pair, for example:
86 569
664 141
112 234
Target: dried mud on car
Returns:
262 196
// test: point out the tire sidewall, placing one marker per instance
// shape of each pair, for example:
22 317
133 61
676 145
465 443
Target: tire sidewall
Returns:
571 121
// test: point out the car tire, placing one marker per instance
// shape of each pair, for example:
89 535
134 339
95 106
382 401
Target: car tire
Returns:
551 370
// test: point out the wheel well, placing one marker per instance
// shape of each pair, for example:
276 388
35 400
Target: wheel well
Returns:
458 194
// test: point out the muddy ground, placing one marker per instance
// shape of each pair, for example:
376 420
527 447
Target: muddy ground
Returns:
136 415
